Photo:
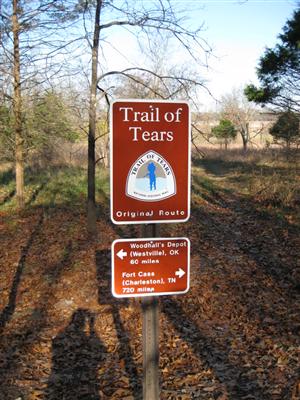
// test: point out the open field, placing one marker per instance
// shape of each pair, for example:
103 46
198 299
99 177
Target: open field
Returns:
234 336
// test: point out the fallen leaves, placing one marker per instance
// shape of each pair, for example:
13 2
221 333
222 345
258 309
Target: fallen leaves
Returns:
235 335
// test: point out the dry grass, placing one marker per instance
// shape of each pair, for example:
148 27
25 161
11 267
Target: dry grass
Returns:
267 177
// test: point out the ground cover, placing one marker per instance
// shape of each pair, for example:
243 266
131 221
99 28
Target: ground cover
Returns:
234 336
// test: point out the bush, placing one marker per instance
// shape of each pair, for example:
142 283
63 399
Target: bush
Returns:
286 129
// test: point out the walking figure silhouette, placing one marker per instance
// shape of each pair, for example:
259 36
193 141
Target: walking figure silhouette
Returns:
152 177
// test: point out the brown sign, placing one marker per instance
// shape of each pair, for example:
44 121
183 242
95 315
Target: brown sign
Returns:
150 161
149 267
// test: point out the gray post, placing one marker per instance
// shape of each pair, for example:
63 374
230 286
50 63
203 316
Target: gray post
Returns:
150 337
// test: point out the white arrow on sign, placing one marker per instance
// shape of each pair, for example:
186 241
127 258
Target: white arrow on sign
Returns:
180 273
121 254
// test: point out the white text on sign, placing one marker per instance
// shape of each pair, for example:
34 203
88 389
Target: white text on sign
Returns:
152 115
142 267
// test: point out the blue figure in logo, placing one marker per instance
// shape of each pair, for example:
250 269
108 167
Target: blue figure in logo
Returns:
152 177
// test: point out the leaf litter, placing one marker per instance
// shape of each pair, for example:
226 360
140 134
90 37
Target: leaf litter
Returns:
235 335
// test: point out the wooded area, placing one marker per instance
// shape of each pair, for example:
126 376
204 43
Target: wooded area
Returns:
235 334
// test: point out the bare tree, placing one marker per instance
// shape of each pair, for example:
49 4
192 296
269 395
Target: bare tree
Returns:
91 204
44 47
17 105
29 47
236 108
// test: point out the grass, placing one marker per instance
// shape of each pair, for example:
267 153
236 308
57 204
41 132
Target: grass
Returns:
51 187
266 178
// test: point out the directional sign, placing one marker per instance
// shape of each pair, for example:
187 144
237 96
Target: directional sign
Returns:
150 161
149 267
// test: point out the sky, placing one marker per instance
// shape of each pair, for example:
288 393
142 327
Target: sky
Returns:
239 32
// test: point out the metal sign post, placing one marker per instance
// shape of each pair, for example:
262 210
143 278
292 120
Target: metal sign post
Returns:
150 311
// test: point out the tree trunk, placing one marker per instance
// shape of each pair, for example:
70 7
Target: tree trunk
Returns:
288 149
226 144
245 142
17 107
245 137
91 200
